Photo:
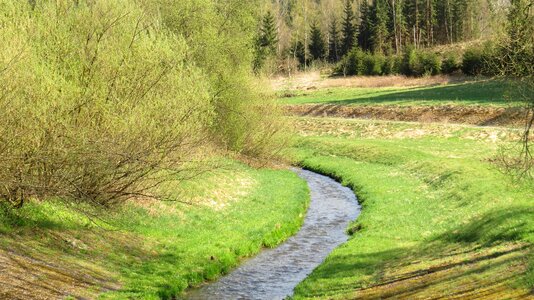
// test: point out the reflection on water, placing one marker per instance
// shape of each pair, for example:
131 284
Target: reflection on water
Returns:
274 273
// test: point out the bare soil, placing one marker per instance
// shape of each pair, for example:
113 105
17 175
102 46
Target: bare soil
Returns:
472 115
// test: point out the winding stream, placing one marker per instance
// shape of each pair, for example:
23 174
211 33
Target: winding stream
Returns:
274 273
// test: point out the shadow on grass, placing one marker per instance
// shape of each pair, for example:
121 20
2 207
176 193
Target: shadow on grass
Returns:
486 257
478 92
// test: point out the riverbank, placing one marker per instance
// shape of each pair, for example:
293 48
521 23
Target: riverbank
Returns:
274 273
149 249
438 217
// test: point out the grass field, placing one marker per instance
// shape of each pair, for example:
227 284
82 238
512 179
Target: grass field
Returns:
150 249
438 217
481 92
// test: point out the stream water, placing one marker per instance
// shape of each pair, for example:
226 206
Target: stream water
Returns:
274 273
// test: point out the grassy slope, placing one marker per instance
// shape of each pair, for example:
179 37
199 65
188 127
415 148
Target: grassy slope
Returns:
156 249
491 93
438 218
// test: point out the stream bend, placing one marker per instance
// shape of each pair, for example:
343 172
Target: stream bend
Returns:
274 273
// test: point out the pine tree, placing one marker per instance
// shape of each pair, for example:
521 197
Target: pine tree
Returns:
379 30
349 29
298 52
364 37
429 21
398 24
317 47
268 37
266 41
333 42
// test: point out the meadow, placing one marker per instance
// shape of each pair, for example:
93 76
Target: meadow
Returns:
439 217
473 92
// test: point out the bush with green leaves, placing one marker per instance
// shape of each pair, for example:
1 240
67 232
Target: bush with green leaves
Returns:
373 64
473 62
104 100
430 63
450 64
410 62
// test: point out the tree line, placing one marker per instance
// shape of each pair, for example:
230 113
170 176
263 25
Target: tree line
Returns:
379 26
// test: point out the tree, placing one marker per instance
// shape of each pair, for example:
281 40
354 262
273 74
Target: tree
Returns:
266 41
517 61
379 28
268 37
364 37
349 29
398 23
333 42
298 52
317 45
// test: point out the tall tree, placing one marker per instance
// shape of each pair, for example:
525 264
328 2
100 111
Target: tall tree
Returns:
317 47
429 21
268 37
364 36
333 41
348 28
379 30
266 41
398 23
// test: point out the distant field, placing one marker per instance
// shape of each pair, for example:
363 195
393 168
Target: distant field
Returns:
438 217
484 93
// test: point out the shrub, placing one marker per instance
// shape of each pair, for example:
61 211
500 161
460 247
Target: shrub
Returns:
391 65
450 65
473 62
100 105
410 62
373 64
430 64
353 62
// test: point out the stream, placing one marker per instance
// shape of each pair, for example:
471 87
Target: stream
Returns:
274 273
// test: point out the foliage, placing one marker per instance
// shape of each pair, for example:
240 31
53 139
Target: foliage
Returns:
317 47
430 64
266 41
333 42
450 64
515 58
102 101
348 28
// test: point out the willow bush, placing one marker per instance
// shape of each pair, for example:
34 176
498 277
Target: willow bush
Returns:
103 100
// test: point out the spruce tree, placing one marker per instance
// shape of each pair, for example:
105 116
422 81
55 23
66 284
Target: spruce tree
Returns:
317 47
379 30
348 28
266 41
364 37
268 37
333 42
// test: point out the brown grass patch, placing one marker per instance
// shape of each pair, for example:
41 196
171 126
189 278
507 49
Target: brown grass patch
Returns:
392 130
314 80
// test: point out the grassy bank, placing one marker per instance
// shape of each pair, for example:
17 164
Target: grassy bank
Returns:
438 217
482 92
149 249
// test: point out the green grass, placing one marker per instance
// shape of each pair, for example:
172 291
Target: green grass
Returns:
438 217
156 250
493 93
